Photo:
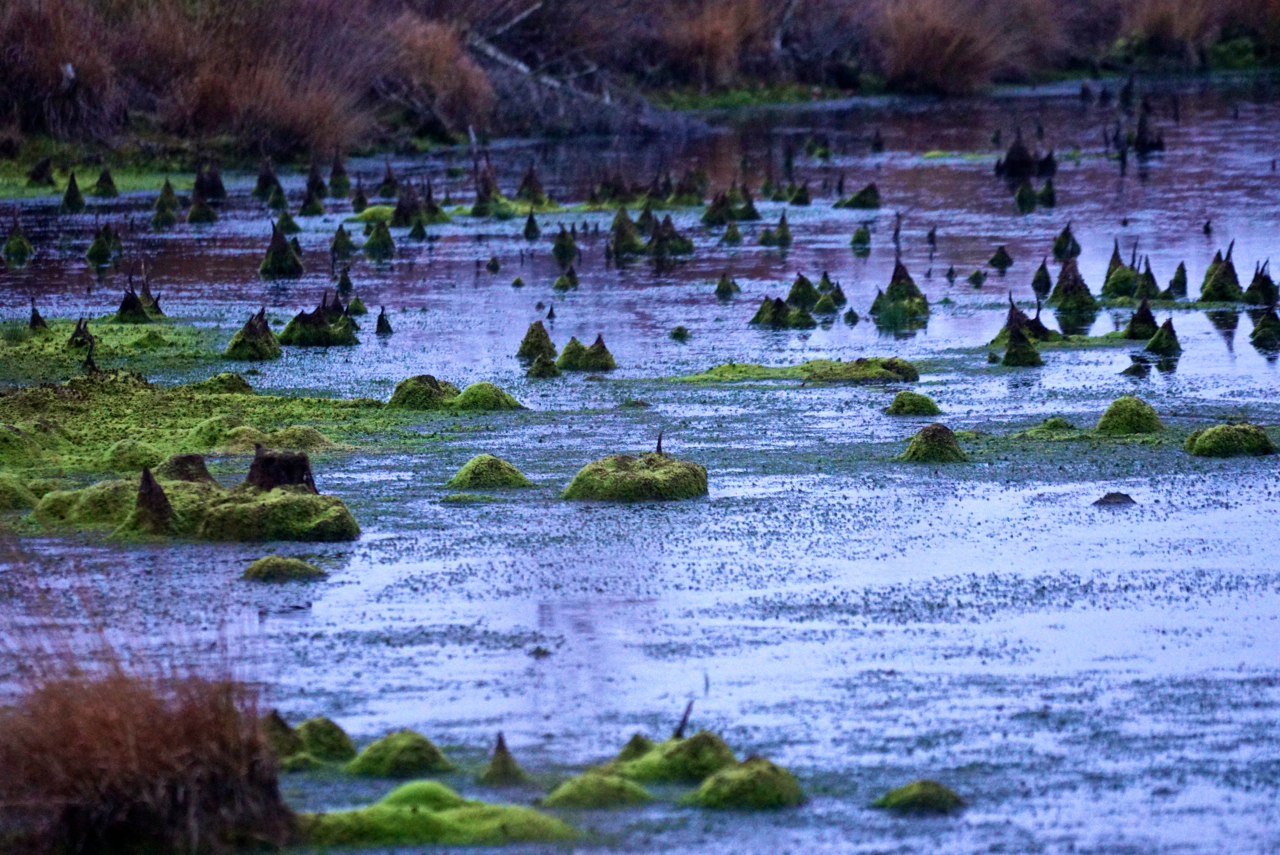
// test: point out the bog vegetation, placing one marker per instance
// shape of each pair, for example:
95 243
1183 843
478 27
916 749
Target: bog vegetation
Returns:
297 77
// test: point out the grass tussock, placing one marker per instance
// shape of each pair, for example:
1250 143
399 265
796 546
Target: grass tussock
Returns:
112 760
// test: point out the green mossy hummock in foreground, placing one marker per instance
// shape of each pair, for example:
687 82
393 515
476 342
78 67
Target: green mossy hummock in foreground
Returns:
754 784
679 759
934 443
912 404
425 813
487 472
920 797
597 790
1230 440
254 341
278 568
864 370
1129 415
651 476
403 754
324 740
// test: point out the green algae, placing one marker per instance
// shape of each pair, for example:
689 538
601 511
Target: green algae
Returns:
503 770
862 370
48 355
754 784
1230 440
487 472
424 816
578 357
323 739
922 796
678 759
1127 416
423 392
596 791
402 754
357 307
934 443
278 568
623 478
912 404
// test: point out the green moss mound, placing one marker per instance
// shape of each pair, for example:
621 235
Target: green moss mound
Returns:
578 357
1127 416
469 824
278 568
1065 245
285 513
423 392
678 759
130 455
902 296
379 246
934 443
425 795
543 368
323 739
14 495
1230 440
254 341
1221 283
484 396
864 370
1054 427
754 784
1121 282
912 404
1071 294
536 342
1266 331
920 797
1020 352
402 754
623 478
803 293
597 790
487 472
1165 340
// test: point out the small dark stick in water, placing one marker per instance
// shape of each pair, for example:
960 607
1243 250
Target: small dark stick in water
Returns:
659 442
684 722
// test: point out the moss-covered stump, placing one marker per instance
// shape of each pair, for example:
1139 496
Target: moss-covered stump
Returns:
1001 260
1165 341
379 246
536 342
324 740
423 392
487 472
1221 283
866 198
912 404
1230 440
423 813
901 297
1065 245
678 759
1127 416
282 738
503 770
1071 294
254 341
278 568
652 476
596 791
280 262
316 329
577 357
803 293
754 784
1266 331
1142 325
934 443
922 796
403 754
543 368
292 513
17 248
777 314
1020 352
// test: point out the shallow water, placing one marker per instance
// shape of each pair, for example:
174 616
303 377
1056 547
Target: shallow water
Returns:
1088 679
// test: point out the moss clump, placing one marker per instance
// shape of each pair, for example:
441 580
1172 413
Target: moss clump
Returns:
680 334
733 235
14 495
1230 440
777 314
920 797
402 754
868 197
201 212
1120 283
902 297
17 249
1001 260
342 246
1065 245
861 241
278 568
802 293
1025 198
484 396
564 248
253 341
677 759
285 513
754 784
1128 415
328 325
105 188
165 213
862 370
357 307
1262 290
1041 283
666 242
487 472
543 368
312 206
719 212
72 199
106 503
1020 352
1221 284
1048 195
131 310
536 343
280 262
597 790
626 235
566 281
779 237
420 814
423 392
282 738
379 245
726 287
912 404
1142 325
934 443
577 357
1070 293
323 739
130 455
623 478
1177 285
1266 331
503 770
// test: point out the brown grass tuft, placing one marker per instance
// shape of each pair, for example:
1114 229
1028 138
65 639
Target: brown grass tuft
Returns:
109 759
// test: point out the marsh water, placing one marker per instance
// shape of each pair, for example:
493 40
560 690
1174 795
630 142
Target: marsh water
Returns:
1088 679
